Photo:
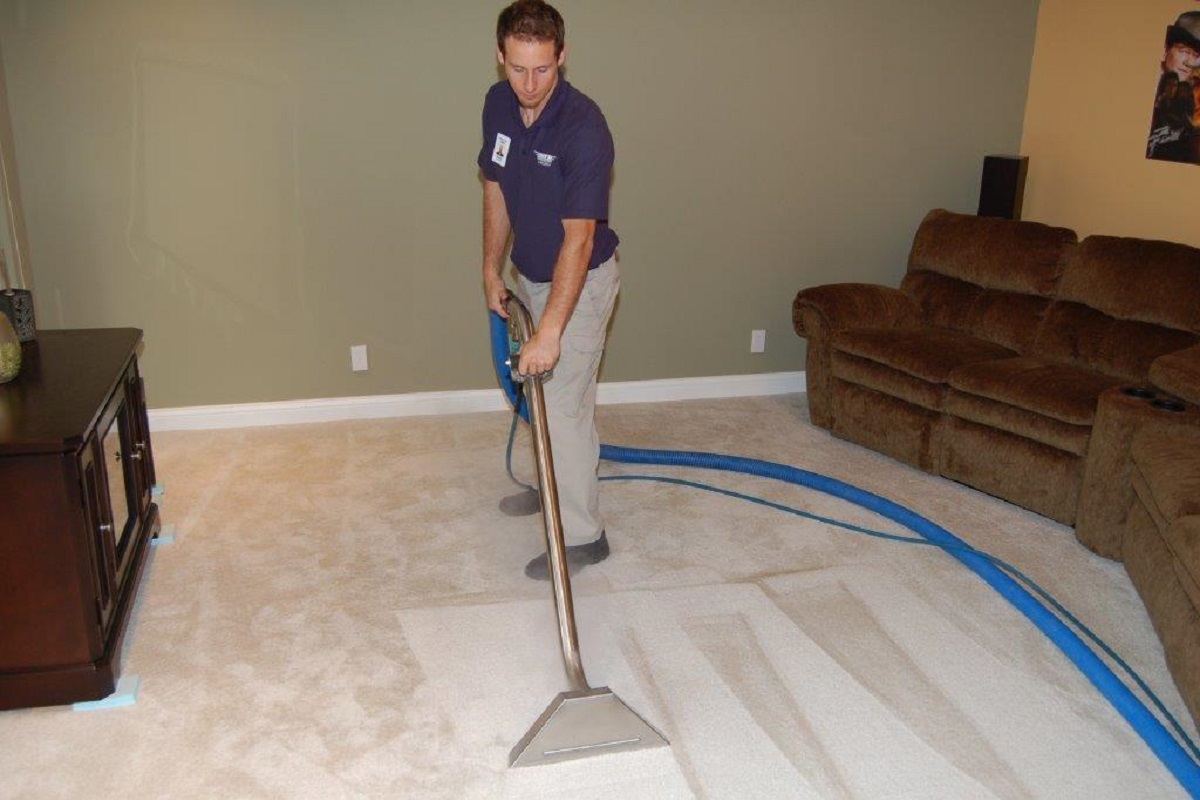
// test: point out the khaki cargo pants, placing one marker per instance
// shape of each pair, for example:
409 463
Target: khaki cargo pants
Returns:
571 398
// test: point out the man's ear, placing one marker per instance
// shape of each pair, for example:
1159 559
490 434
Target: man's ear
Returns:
500 56
562 57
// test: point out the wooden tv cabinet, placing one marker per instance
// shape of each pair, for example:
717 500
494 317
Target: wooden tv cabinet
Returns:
76 514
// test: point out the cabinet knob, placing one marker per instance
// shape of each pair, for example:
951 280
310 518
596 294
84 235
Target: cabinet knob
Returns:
106 528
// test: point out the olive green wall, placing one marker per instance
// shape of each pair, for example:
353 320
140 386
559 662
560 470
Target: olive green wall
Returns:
261 184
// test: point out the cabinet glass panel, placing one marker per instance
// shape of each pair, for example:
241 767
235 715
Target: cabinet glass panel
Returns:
118 495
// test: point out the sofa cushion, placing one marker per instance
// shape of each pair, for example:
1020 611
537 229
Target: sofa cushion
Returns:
1077 334
941 301
930 354
1001 254
1170 464
1007 318
1018 421
1059 391
886 380
1109 273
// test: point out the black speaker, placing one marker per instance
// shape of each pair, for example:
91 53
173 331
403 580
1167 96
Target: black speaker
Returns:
1003 186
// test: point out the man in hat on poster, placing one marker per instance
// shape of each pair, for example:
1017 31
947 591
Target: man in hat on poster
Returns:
1175 129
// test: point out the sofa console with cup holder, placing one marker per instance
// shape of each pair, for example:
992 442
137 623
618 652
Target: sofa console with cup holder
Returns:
1023 362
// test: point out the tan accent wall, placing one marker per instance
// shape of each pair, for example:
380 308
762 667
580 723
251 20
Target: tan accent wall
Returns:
262 184
1091 93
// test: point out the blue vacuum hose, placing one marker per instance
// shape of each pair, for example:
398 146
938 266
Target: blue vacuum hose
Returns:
1165 746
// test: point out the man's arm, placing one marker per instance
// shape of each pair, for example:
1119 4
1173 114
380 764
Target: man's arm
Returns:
542 351
496 229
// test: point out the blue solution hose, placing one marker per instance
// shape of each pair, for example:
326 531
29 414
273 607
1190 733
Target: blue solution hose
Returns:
1160 741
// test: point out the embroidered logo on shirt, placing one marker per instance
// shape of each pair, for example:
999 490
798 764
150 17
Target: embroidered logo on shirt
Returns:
544 159
500 151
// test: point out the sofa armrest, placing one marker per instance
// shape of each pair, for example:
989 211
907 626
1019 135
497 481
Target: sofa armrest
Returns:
843 306
1178 373
820 313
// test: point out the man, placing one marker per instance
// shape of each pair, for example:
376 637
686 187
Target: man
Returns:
1175 127
547 161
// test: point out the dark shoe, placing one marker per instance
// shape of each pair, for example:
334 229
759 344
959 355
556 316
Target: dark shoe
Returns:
578 557
521 504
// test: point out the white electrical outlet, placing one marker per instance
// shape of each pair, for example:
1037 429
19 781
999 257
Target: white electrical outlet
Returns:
358 357
758 341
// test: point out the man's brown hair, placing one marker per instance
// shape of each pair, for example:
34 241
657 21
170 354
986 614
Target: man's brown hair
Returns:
531 21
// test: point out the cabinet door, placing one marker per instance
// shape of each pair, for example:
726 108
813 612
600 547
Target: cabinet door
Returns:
125 495
117 473
125 453
139 439
100 530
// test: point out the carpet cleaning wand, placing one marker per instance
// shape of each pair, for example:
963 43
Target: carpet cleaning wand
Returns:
581 721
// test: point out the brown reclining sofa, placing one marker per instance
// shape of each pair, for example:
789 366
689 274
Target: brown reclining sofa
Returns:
1023 362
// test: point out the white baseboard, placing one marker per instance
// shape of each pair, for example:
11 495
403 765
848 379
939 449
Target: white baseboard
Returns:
294 412
700 388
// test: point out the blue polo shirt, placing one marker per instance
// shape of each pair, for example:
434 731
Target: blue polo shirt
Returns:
558 168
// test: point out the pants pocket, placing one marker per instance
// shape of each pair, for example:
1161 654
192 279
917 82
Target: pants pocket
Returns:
589 322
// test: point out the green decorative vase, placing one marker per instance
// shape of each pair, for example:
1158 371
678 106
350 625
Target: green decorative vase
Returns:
10 350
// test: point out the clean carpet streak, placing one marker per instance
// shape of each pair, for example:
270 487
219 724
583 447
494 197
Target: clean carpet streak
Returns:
344 614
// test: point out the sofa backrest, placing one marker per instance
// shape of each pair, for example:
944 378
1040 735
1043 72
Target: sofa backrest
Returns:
989 277
1123 302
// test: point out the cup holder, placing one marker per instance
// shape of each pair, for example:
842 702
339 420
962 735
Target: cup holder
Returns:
1165 404
1154 399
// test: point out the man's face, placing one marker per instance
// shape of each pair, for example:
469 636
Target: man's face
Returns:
1184 61
531 69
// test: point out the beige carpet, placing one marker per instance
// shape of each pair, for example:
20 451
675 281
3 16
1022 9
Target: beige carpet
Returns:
344 615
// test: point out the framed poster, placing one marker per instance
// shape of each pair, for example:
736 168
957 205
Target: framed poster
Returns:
1175 126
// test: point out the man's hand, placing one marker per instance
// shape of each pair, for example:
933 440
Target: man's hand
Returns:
496 292
539 354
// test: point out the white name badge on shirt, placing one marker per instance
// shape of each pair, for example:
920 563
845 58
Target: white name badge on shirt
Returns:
500 151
